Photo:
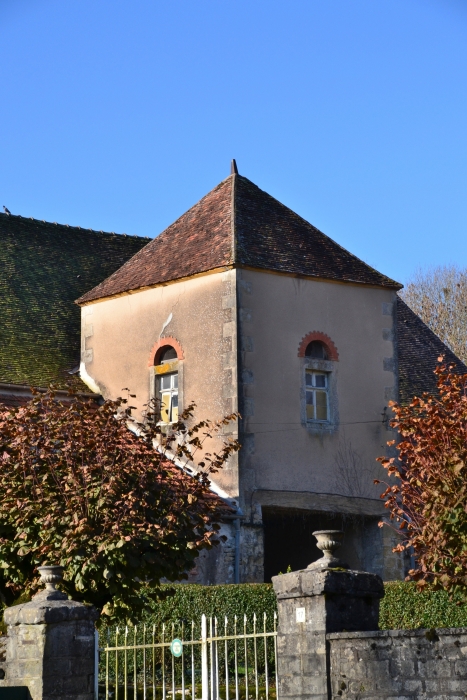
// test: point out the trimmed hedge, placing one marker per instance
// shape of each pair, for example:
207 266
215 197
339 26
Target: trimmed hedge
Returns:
190 601
403 607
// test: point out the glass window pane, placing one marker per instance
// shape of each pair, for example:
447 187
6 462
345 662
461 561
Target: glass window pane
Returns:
310 412
321 405
309 398
309 378
174 407
175 380
320 380
165 381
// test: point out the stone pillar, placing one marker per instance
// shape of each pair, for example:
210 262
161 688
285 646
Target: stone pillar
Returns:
325 597
50 644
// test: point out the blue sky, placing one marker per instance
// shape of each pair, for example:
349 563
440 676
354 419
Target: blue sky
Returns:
121 114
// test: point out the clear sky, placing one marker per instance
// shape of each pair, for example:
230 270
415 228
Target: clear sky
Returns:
121 114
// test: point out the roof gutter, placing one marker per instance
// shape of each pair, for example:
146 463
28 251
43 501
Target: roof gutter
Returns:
26 390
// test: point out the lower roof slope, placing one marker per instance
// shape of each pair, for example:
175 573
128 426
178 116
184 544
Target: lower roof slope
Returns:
418 349
238 224
43 268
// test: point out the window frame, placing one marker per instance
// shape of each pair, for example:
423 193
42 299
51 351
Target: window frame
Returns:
172 392
156 371
313 389
330 369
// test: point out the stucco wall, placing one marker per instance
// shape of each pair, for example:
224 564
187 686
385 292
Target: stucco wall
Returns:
284 461
240 332
119 333
276 312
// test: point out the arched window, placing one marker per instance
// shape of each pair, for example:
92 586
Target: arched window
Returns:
167 352
317 350
319 392
316 384
167 383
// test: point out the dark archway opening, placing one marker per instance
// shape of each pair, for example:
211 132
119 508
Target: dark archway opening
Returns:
289 542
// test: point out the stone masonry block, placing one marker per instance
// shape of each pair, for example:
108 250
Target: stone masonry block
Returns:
386 308
50 647
229 301
460 668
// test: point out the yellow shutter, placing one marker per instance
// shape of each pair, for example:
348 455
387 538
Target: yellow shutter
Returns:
165 407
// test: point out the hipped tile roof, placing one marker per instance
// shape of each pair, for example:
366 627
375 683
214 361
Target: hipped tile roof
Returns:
418 349
43 268
238 224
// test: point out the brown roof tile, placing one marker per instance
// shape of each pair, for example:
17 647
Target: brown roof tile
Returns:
238 224
418 349
198 241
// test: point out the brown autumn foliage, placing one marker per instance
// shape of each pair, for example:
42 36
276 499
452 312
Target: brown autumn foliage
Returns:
428 497
81 489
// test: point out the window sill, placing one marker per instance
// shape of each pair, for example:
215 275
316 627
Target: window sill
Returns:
317 428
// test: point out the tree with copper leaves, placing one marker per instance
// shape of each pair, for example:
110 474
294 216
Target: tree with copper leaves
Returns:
82 489
427 494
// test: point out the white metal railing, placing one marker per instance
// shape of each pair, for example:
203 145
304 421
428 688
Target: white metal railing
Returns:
214 660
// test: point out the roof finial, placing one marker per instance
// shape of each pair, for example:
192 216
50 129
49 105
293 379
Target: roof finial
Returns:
233 167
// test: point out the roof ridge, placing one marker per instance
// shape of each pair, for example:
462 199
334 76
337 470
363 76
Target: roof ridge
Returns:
233 232
43 222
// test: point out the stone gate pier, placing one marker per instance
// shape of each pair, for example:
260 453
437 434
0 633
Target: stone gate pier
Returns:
326 597
329 646
50 647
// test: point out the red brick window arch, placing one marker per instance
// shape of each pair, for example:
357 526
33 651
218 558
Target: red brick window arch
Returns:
319 346
318 352
160 348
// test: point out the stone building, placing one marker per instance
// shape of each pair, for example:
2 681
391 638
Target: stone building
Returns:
242 305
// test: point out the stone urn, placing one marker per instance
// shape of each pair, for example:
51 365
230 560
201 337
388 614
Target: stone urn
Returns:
328 541
50 576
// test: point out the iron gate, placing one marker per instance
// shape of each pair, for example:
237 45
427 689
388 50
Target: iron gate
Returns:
212 660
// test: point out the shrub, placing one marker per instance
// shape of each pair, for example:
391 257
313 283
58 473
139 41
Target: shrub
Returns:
82 490
427 495
406 607
190 601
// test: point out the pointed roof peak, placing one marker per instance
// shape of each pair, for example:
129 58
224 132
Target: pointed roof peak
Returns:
233 167
238 224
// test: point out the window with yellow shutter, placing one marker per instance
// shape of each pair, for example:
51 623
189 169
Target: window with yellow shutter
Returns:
167 385
168 396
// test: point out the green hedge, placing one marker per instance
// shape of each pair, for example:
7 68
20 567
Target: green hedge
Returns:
190 601
403 607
